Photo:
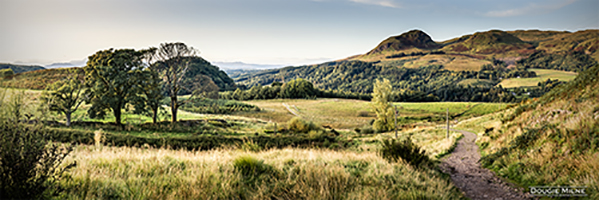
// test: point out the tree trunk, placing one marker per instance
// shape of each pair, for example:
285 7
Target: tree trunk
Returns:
154 114
68 114
174 108
117 116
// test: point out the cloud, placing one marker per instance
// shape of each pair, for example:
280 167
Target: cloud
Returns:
384 3
531 8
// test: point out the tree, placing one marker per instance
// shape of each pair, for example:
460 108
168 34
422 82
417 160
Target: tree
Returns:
114 79
6 72
172 61
204 87
151 88
381 104
298 88
65 96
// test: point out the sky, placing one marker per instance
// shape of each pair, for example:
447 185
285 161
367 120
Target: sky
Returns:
283 32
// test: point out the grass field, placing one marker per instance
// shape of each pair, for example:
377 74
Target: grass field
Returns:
344 113
234 172
542 75
139 173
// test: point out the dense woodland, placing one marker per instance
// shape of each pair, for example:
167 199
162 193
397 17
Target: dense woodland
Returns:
353 79
574 61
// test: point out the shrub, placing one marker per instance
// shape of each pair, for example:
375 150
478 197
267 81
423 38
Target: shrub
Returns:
299 125
366 130
392 150
253 169
250 145
99 137
363 113
29 166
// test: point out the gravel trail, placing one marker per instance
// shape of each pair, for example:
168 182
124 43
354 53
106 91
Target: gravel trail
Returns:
473 180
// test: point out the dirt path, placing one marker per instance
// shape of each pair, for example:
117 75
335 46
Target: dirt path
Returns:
290 110
473 180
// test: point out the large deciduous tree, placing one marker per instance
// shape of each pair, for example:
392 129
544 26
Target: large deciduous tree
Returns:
172 61
114 80
65 96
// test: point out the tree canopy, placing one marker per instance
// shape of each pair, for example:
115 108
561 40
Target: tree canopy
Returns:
114 79
65 96
381 104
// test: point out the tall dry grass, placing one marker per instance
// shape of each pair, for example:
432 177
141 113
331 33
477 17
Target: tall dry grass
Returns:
145 173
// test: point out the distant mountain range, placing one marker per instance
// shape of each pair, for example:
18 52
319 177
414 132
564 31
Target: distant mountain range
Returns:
242 65
20 68
75 63
469 52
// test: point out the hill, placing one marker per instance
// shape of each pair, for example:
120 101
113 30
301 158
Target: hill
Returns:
38 79
20 68
198 65
411 39
551 141
470 52
495 42
469 65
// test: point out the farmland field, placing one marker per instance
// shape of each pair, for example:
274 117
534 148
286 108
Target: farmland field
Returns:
542 75
345 114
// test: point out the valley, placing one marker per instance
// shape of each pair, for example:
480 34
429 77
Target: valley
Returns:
522 107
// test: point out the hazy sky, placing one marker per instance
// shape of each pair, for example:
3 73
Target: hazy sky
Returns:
262 31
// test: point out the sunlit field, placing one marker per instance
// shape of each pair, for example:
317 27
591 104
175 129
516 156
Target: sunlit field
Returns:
139 173
349 114
542 75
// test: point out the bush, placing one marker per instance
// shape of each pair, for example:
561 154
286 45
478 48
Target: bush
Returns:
250 145
29 166
366 130
392 150
191 142
363 113
299 125
253 169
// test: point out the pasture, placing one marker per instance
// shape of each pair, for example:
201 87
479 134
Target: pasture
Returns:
350 114
542 75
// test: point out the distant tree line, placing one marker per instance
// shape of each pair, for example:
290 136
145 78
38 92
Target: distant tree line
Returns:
353 79
400 55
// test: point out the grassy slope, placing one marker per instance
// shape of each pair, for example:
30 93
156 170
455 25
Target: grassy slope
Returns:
551 141
38 79
542 75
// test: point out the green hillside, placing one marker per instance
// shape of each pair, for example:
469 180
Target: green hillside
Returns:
197 66
494 42
20 68
551 141
38 79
